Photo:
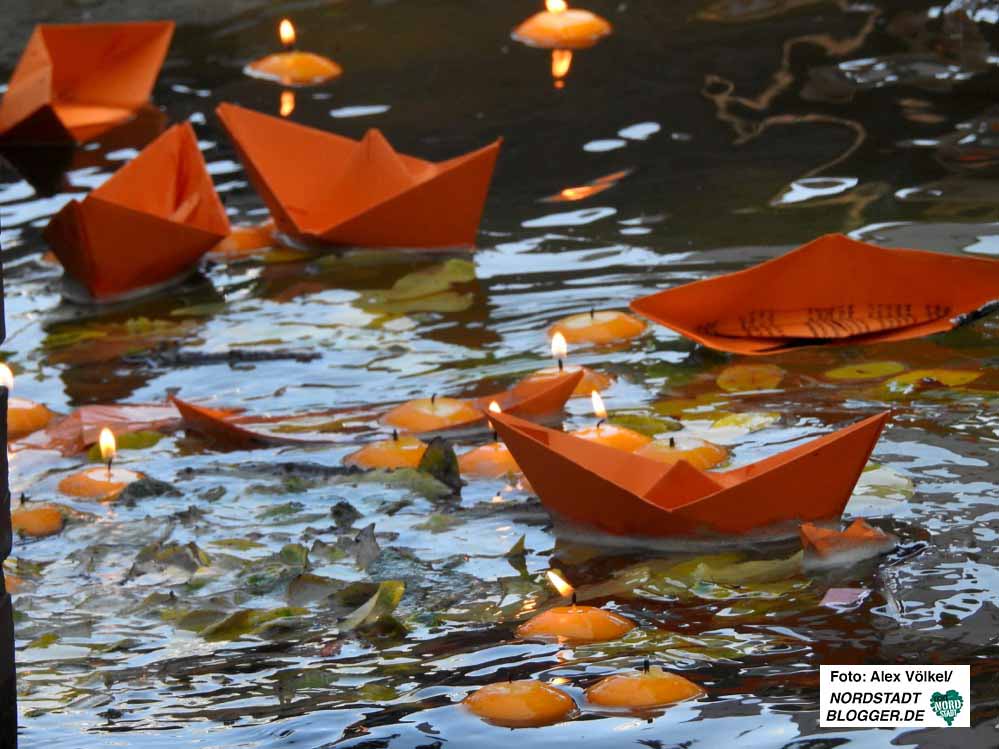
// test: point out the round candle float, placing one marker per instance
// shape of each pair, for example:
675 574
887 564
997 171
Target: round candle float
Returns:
606 326
488 461
103 483
561 27
43 520
244 241
23 416
399 452
574 623
432 414
699 453
520 704
291 67
590 380
611 435
651 687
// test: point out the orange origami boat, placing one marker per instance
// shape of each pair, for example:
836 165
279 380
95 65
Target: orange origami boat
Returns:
328 189
833 290
859 536
75 432
149 223
76 81
590 487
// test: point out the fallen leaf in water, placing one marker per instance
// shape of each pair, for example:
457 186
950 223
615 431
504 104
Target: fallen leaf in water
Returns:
437 523
381 604
741 378
246 621
307 588
926 379
645 424
867 371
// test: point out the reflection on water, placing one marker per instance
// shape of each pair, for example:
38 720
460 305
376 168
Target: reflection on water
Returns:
716 146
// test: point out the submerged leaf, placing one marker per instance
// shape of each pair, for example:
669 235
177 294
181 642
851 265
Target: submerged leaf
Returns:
645 424
438 523
381 604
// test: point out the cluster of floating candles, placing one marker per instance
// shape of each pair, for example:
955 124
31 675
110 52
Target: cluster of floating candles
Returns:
293 67
533 703
103 482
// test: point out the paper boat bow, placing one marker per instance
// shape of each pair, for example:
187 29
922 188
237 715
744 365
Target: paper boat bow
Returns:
149 223
76 81
591 486
330 189
833 290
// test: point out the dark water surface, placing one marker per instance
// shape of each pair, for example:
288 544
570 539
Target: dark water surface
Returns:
742 129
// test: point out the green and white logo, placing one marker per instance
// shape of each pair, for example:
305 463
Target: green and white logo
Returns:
948 705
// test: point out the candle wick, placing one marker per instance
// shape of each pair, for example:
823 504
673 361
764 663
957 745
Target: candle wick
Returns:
645 665
395 435
599 423
495 436
573 598
561 366
109 468
672 442
593 313
433 399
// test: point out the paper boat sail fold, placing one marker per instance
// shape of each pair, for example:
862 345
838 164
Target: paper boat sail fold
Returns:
76 81
150 222
600 488
328 189
833 290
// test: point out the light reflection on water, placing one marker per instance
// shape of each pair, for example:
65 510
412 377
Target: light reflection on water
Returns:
704 148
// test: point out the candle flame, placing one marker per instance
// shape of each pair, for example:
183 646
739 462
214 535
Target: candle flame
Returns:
560 349
287 103
560 584
556 6
495 408
286 30
108 445
561 62
6 377
598 405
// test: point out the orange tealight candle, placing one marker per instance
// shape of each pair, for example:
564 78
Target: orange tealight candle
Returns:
588 383
432 414
291 67
399 452
574 623
488 461
23 416
699 453
561 27
520 704
104 483
611 435
606 326
651 687
44 520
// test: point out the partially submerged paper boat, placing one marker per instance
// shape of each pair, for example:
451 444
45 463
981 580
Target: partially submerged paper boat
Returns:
232 430
858 540
833 290
147 225
78 430
76 81
328 189
591 487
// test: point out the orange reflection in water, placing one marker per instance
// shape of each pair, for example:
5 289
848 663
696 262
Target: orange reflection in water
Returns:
561 62
581 192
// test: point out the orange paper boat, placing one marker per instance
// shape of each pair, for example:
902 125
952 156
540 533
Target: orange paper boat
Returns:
833 290
824 542
592 487
76 432
329 189
146 225
76 81
531 398
226 427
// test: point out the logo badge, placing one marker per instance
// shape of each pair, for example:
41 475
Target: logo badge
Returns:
947 705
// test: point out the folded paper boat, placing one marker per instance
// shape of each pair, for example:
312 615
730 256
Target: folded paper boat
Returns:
592 487
328 189
148 224
833 290
78 430
76 81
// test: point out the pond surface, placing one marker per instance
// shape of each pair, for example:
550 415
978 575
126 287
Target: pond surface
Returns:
734 130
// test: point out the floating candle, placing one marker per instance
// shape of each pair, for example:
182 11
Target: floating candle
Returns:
611 435
606 326
574 623
291 67
699 453
432 414
245 240
398 452
43 520
590 381
488 461
561 27
103 483
23 416
651 687
520 704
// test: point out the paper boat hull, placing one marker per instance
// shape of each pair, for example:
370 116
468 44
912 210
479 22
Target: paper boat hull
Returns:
621 494
832 291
